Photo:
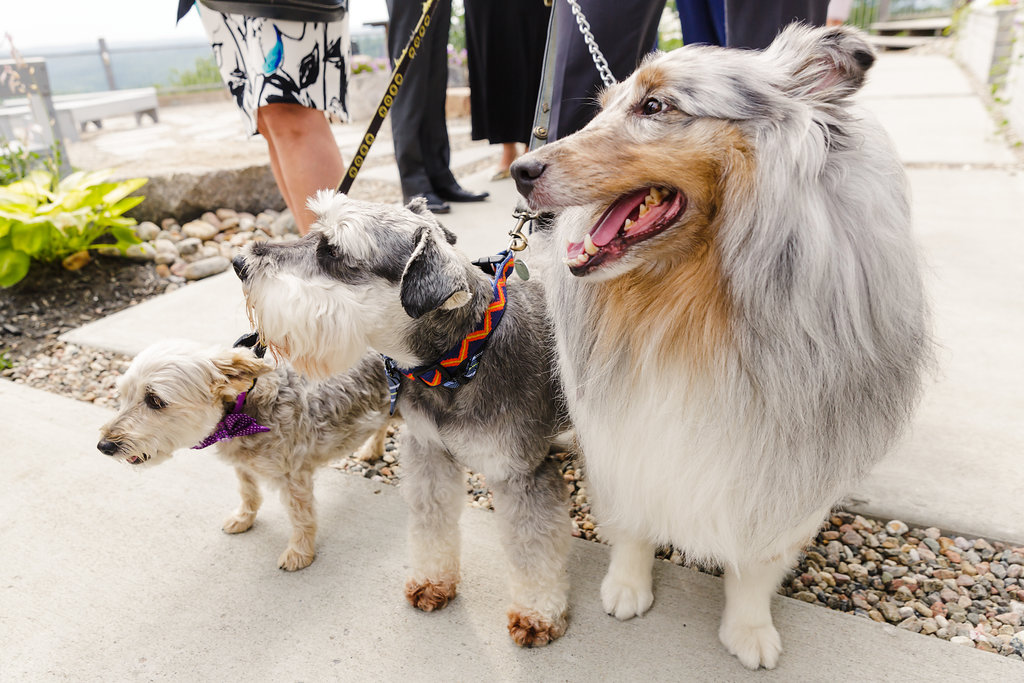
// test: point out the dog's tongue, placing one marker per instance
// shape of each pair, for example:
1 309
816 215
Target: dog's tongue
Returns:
610 222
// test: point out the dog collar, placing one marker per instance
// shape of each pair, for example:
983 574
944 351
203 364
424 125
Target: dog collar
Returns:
235 423
459 365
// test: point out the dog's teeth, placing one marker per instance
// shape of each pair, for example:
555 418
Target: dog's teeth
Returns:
629 223
588 245
643 209
582 258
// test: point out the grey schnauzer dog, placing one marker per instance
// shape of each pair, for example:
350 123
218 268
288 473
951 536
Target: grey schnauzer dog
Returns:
388 279
178 394
740 306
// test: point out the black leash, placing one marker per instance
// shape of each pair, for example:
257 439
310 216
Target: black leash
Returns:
412 49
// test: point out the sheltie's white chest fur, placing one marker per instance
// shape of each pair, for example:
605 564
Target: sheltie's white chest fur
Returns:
668 460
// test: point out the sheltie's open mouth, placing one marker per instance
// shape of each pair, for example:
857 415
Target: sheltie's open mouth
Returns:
632 218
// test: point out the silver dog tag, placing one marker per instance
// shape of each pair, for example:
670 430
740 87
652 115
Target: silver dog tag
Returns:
522 271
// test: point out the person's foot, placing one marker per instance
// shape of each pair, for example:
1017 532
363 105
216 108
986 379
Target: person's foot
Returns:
434 203
457 193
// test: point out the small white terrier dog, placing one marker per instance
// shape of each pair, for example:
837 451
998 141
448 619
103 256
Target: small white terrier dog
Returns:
270 423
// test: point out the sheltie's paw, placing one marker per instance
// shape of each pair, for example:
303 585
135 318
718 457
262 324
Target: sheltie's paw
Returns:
754 646
626 599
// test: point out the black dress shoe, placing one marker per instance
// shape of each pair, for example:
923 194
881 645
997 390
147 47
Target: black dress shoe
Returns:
434 203
457 193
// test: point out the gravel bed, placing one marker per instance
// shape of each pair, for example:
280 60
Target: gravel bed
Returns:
966 590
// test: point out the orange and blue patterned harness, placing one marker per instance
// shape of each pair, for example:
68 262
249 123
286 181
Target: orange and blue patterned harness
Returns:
459 365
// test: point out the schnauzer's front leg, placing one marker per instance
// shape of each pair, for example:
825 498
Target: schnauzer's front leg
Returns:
434 486
243 517
297 495
535 526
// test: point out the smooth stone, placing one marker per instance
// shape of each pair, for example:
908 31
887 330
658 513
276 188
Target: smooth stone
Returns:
896 528
147 231
197 270
200 230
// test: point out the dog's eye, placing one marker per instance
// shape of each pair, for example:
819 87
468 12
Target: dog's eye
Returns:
154 401
651 106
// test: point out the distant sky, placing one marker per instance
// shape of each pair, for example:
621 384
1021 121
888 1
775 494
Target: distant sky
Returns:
74 22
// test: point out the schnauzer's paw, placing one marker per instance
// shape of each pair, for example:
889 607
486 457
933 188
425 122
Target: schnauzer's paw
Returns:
429 595
236 524
530 629
292 560
754 646
626 599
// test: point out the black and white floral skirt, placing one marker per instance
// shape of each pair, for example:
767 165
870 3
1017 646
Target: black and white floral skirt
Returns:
263 61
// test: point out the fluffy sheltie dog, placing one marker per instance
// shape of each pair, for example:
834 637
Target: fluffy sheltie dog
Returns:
740 323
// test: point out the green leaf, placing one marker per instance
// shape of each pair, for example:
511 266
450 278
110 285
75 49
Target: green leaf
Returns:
125 234
123 189
13 266
126 204
31 239
82 180
12 199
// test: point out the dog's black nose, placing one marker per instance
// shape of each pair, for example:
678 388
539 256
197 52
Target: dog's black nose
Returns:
526 172
238 263
107 447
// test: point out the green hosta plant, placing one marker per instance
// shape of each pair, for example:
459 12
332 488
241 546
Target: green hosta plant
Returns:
43 218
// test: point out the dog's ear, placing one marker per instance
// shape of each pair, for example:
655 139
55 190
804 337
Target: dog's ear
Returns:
236 369
434 277
824 64
449 236
419 207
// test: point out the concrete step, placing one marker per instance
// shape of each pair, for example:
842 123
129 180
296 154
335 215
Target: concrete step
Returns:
112 573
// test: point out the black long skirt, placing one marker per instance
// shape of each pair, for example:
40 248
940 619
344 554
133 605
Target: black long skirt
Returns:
505 43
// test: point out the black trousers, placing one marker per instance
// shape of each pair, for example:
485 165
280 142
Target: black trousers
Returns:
417 117
625 30
753 24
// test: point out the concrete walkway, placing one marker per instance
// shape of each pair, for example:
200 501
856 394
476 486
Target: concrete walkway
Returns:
111 574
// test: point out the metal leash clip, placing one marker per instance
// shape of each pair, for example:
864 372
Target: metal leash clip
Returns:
519 241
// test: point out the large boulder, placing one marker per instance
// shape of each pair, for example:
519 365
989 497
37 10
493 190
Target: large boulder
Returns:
187 196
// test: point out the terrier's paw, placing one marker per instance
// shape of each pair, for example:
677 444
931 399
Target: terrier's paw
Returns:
236 524
429 595
292 560
754 646
626 599
372 450
530 629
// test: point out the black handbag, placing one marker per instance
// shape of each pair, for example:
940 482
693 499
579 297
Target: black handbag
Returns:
287 10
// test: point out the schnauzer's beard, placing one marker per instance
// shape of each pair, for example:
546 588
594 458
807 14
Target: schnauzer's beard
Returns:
321 327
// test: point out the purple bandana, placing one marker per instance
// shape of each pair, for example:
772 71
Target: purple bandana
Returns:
235 423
